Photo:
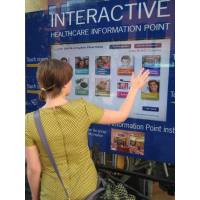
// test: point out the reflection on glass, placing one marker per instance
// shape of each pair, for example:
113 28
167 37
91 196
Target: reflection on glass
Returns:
163 4
141 1
52 9
63 8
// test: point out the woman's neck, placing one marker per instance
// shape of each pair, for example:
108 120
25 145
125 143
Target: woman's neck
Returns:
57 101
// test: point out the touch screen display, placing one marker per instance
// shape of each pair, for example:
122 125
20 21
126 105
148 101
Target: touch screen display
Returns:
102 73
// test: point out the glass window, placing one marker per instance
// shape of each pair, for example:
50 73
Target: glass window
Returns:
63 8
111 44
142 6
160 28
142 34
77 1
52 10
162 4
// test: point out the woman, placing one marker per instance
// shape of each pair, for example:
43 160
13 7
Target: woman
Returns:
86 62
153 86
77 61
81 64
66 125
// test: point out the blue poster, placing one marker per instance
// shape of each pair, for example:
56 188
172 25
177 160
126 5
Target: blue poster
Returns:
105 42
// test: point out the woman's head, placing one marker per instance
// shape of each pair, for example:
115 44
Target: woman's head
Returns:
52 75
81 63
153 86
77 60
86 61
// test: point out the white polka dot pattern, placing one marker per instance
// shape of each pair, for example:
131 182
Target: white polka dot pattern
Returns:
66 131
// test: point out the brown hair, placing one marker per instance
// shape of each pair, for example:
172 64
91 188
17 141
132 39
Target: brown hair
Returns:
53 72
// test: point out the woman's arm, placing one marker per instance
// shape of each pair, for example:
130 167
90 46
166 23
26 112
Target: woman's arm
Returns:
113 117
33 170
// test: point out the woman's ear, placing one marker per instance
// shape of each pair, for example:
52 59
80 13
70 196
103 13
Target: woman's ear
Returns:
64 86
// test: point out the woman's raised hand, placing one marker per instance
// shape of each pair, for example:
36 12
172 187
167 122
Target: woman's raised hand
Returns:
140 80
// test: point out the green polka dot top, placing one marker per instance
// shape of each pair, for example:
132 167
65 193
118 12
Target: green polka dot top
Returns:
66 130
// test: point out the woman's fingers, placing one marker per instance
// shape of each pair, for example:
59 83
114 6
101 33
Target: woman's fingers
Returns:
139 74
144 75
132 77
140 78
146 81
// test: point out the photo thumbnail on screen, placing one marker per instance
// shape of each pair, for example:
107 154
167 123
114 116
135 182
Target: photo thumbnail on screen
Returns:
81 86
127 141
102 64
102 87
123 86
151 63
65 59
82 65
126 66
151 90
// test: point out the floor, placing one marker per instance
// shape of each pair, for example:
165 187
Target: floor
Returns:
159 194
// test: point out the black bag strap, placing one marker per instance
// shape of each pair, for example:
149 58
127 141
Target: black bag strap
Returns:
46 145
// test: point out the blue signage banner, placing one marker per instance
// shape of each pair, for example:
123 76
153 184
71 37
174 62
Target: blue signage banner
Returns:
105 42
